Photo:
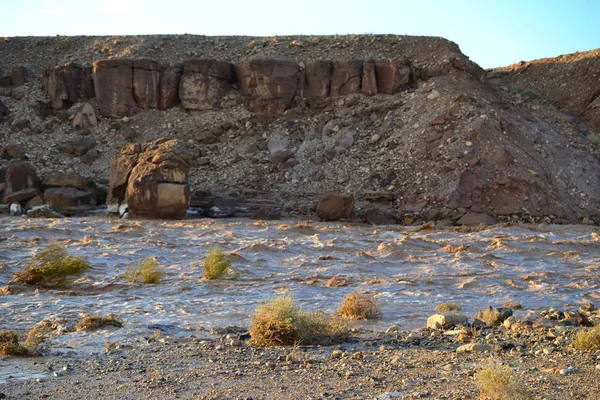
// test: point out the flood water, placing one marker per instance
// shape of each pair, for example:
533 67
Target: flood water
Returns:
410 271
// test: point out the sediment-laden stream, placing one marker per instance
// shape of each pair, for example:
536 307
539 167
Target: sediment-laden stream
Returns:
410 270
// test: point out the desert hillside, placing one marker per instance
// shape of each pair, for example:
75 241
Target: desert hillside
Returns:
407 126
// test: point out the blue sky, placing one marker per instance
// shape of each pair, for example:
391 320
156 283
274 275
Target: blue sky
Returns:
491 32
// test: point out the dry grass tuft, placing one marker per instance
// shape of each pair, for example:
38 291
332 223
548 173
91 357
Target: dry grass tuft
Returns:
588 339
92 322
449 307
216 264
498 382
360 305
146 272
52 266
11 346
279 323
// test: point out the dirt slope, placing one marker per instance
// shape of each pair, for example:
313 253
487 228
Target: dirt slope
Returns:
450 145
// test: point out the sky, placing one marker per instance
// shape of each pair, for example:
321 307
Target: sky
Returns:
492 33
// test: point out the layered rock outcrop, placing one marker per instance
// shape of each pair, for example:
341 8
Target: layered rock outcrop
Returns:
270 86
204 83
152 179
67 84
113 83
155 85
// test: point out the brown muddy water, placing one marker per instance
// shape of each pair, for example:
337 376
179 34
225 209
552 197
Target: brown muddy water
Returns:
410 271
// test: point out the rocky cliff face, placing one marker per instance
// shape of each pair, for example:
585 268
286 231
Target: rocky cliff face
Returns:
407 126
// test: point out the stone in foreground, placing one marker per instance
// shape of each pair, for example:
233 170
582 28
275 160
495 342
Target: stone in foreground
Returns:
446 321
334 207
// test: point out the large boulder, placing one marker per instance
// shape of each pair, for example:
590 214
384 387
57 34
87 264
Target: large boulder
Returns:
392 75
204 83
20 176
270 85
169 87
369 79
317 75
152 179
69 200
146 83
56 179
114 87
85 117
334 207
346 77
67 84
18 76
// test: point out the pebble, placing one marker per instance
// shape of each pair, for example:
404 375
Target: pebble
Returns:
473 348
469 143
336 353
374 139
434 95
392 329
357 356
566 371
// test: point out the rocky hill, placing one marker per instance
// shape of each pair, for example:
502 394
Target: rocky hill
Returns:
408 126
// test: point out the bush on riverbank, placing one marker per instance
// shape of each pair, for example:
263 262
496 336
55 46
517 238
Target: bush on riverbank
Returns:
10 344
449 307
216 264
52 266
498 382
588 339
360 305
279 323
146 272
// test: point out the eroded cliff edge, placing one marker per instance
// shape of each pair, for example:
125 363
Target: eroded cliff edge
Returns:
442 143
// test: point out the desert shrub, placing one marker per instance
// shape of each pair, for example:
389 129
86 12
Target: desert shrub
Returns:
146 272
448 307
529 94
215 264
10 344
588 339
279 323
360 305
52 266
93 322
498 382
497 74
